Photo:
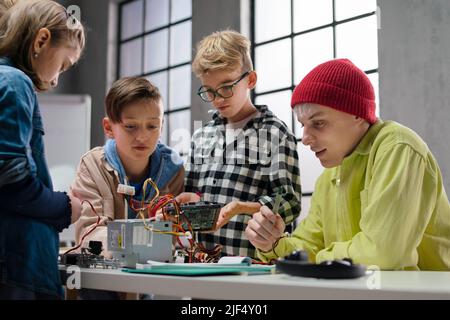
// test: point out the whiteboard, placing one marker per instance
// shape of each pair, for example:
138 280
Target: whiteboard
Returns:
67 126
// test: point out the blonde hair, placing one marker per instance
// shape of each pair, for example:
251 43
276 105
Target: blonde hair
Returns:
126 91
222 50
20 21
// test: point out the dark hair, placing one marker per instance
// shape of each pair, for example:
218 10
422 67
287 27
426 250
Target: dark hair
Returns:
128 90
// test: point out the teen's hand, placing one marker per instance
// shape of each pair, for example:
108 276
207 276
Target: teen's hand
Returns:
186 197
75 204
264 229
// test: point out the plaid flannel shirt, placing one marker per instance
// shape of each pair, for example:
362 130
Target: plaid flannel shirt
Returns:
251 164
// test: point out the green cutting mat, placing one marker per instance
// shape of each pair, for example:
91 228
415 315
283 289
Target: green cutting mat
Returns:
180 270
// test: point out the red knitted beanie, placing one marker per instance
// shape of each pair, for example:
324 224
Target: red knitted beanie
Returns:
340 85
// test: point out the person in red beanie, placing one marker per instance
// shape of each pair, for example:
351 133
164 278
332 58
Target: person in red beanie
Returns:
380 200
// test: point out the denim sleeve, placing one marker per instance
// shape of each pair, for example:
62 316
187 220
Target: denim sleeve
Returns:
17 100
31 198
13 170
21 191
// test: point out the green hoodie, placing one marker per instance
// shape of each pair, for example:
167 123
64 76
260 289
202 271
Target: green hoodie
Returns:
385 205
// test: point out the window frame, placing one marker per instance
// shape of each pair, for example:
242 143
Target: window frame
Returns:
142 35
292 36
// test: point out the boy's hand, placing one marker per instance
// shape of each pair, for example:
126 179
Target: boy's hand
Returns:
264 229
160 217
234 208
227 212
186 197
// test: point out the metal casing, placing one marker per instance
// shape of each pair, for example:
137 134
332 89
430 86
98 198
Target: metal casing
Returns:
131 243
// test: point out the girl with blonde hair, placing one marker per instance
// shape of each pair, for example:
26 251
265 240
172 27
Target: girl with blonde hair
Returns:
39 40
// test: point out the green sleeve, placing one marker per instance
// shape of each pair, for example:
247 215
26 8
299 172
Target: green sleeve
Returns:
395 209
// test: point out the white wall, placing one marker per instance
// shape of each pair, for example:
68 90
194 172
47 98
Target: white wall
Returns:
414 59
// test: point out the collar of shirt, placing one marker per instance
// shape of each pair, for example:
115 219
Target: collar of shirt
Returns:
263 113
365 144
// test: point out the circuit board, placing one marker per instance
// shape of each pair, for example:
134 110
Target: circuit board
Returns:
202 215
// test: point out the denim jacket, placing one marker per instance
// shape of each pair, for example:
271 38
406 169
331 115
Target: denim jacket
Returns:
31 214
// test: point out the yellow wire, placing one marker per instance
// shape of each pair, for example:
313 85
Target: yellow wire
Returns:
142 209
144 190
146 227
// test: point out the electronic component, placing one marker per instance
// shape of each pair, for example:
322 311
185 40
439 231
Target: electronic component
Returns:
131 242
202 215
139 240
297 264
89 258
95 247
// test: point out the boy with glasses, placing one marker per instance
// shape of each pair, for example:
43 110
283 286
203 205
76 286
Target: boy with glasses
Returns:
245 156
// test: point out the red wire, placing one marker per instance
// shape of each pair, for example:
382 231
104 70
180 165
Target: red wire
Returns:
92 229
196 249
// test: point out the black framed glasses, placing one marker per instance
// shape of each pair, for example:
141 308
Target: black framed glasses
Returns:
226 91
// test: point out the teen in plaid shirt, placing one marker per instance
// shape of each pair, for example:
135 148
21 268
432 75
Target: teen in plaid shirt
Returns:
245 155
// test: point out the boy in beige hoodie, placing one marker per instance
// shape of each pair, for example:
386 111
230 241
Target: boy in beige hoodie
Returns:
132 154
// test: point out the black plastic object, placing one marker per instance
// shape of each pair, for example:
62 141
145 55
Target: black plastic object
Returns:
296 264
95 247
202 215
69 259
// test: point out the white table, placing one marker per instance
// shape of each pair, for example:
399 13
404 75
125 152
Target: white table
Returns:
381 285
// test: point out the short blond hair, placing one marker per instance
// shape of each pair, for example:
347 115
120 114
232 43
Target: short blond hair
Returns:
222 50
20 21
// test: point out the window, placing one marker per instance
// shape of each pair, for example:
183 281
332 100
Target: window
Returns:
302 34
155 42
